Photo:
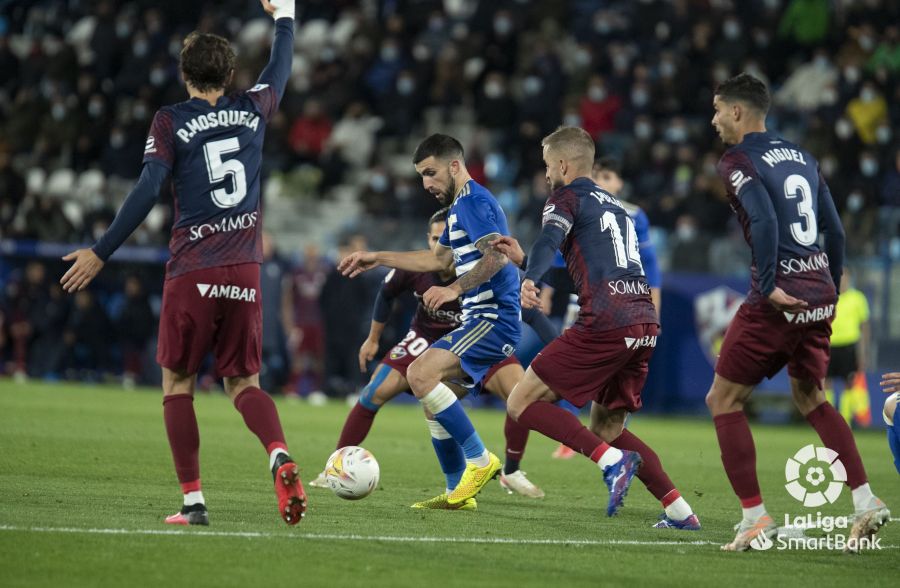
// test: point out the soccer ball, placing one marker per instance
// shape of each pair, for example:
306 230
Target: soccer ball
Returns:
352 472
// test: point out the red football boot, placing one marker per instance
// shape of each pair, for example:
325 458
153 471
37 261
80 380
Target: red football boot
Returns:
289 489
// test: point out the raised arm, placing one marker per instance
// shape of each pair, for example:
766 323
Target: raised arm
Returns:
278 70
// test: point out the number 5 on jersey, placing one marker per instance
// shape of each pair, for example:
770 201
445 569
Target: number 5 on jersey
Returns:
219 170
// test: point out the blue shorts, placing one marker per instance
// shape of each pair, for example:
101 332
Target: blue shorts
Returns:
479 344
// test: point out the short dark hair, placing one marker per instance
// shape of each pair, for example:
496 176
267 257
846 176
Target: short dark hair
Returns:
608 164
440 146
747 89
207 61
439 216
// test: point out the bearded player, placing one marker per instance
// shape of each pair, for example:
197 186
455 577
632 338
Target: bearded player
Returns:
389 378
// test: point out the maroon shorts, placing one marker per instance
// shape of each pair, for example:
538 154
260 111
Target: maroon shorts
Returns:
412 346
608 367
215 309
406 351
761 340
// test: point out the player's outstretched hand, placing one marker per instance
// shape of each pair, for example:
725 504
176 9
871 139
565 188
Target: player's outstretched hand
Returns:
890 383
531 296
784 302
509 247
357 263
278 8
437 296
87 265
366 352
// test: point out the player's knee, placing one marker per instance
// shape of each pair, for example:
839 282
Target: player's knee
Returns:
419 379
515 405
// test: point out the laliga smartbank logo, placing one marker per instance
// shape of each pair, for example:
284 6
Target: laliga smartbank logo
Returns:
806 479
815 477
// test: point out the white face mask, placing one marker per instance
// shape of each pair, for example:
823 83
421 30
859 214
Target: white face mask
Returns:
596 93
643 130
582 58
532 85
851 74
389 53
493 90
640 97
883 134
667 69
854 202
157 77
405 86
731 30
686 232
502 26
867 94
868 166
843 128
572 120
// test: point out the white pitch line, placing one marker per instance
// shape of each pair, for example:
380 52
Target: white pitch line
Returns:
384 538
336 537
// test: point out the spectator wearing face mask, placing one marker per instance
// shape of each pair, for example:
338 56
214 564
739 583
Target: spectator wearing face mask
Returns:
867 112
805 22
811 86
598 108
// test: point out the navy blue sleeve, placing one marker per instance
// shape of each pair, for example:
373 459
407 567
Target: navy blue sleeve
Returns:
542 325
382 311
830 226
134 210
763 233
543 252
278 71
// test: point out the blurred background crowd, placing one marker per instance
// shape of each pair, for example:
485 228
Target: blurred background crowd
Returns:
81 79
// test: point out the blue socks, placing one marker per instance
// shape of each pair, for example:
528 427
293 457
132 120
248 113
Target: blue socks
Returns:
442 403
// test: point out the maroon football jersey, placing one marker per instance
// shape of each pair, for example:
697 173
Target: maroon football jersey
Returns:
431 324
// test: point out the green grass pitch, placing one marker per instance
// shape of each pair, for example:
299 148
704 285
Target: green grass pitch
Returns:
86 478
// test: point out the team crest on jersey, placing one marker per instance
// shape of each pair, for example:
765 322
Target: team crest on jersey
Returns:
508 349
398 352
150 146
738 179
713 311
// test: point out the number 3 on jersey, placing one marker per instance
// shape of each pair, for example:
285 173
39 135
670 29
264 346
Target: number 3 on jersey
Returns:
219 170
609 223
796 185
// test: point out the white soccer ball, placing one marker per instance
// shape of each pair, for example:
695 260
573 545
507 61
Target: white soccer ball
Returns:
352 472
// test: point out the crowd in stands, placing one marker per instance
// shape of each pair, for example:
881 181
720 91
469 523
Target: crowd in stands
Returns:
81 79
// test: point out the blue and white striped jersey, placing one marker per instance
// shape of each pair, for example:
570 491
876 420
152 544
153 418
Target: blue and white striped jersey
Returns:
474 214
